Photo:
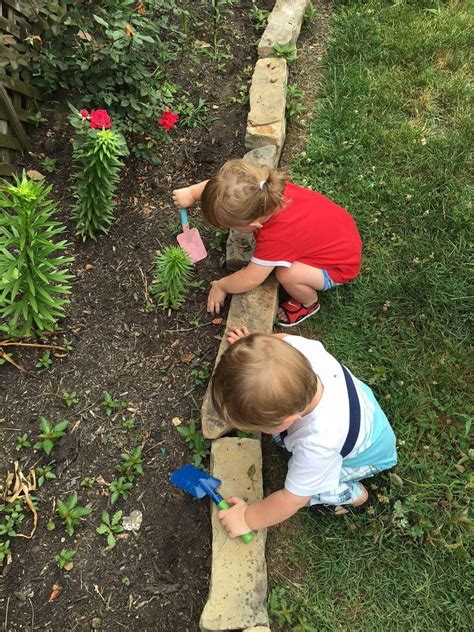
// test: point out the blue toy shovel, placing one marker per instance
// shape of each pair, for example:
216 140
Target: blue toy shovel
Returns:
199 484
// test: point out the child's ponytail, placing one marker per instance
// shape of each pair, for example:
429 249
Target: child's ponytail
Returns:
240 192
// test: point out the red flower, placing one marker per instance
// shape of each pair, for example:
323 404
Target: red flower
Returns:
84 113
168 120
100 119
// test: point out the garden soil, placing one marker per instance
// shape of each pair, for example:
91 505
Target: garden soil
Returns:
156 578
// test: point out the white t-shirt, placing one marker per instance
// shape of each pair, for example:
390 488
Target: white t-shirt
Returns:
316 439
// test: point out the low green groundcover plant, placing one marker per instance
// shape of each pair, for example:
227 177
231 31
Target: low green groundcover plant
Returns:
173 272
33 275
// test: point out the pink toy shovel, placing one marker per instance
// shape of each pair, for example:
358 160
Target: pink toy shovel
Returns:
190 240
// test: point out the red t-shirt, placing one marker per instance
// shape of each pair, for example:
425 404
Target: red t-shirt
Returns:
313 230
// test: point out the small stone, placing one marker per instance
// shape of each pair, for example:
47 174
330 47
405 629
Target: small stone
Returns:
133 522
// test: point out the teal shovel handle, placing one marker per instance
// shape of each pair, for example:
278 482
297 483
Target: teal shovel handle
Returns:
247 537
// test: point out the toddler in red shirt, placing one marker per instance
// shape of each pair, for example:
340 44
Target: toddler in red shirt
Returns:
312 243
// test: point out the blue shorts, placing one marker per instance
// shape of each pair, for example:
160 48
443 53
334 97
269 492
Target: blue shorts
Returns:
329 284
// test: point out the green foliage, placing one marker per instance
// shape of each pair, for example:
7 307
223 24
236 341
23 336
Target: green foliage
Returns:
22 442
119 488
201 373
258 17
5 550
32 273
128 424
172 277
311 14
11 516
70 513
110 526
87 481
119 50
44 474
110 405
287 51
97 166
45 361
219 235
49 164
70 398
196 441
219 51
294 104
131 466
50 434
65 557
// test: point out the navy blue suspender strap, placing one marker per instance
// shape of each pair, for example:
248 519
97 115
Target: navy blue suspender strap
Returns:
354 414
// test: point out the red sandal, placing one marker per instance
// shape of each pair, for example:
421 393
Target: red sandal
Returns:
296 312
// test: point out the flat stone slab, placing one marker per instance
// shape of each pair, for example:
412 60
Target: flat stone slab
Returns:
256 310
283 26
238 585
266 123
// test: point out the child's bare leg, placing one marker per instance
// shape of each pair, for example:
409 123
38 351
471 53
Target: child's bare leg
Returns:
301 281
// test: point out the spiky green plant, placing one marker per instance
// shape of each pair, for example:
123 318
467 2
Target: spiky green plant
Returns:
97 163
33 275
173 272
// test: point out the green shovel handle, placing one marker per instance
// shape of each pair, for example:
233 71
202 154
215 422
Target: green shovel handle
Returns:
246 537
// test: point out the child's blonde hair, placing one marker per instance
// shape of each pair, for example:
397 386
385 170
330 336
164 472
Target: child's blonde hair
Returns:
260 381
239 192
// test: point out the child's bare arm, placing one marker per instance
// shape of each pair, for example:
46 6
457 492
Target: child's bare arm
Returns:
182 198
240 281
273 509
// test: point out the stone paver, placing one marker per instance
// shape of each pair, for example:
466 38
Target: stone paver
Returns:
284 25
240 246
259 628
238 585
255 309
266 123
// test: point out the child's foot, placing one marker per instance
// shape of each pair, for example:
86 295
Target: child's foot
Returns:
360 505
293 312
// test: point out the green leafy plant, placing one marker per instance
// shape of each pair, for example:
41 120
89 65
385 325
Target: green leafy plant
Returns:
97 165
49 164
50 434
110 405
258 17
67 344
45 361
70 398
310 15
110 526
5 550
128 424
119 488
64 559
37 118
172 277
287 51
70 513
33 276
196 441
87 481
22 442
219 51
131 465
294 104
44 474
201 374
11 516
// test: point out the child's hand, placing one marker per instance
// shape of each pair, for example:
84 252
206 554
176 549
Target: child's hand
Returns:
216 298
182 198
233 519
237 333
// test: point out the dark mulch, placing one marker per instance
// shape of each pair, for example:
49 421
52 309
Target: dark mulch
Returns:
156 579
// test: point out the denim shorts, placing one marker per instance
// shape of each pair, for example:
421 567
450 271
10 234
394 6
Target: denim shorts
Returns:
329 284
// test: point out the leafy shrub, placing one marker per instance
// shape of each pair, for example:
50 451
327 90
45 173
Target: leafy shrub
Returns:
117 51
97 153
33 278
173 271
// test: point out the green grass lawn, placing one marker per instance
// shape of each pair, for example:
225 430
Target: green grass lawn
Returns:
390 141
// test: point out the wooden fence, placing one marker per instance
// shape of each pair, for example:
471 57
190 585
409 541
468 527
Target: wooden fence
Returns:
17 97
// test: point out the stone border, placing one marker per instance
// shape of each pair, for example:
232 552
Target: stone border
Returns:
238 584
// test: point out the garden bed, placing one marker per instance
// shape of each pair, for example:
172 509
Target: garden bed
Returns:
157 577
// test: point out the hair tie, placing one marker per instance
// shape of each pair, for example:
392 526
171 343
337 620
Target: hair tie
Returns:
263 184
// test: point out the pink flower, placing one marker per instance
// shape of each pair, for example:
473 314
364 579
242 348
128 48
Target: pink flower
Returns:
84 113
168 120
100 119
